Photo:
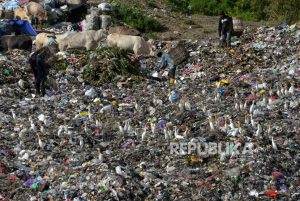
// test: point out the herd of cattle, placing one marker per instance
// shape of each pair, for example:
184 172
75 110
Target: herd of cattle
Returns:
90 40
33 11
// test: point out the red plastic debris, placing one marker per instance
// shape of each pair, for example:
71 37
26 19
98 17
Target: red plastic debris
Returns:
271 193
251 98
297 182
97 132
3 170
277 174
222 123
274 98
12 178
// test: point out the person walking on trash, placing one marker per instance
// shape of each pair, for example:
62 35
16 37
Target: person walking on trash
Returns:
167 61
40 66
225 29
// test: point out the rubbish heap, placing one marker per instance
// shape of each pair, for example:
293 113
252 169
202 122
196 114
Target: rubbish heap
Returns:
112 141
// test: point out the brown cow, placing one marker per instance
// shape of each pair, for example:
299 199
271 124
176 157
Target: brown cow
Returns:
6 14
36 11
41 39
21 14
10 42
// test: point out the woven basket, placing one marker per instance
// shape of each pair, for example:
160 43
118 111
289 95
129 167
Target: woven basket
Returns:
179 53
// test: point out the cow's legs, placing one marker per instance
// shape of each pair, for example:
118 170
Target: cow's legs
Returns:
43 80
89 46
40 76
136 50
37 85
39 22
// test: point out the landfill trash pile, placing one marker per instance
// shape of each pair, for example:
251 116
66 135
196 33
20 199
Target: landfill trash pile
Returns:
112 141
106 64
13 66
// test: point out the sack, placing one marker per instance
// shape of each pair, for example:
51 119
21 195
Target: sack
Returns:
179 53
105 21
92 22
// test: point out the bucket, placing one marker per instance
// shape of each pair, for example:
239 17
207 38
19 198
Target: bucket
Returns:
105 21
238 24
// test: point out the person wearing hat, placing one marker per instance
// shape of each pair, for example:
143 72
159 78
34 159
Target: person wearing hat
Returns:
225 29
167 61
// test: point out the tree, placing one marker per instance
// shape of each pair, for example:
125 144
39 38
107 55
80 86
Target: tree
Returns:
284 10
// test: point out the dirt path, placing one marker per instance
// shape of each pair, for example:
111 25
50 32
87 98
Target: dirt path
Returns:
179 26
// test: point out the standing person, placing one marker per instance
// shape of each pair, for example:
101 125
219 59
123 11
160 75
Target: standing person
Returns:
225 29
189 10
167 61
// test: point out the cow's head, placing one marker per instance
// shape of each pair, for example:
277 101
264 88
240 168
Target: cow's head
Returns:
43 16
152 47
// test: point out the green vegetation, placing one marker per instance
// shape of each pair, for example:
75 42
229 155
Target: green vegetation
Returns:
152 35
151 3
208 31
134 16
190 22
179 5
253 10
108 63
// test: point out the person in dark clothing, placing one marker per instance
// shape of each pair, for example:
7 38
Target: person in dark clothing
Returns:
40 68
225 29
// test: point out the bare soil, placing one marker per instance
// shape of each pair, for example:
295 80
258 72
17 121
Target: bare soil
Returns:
178 25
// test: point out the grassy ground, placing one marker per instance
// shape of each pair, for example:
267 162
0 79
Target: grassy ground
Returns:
178 26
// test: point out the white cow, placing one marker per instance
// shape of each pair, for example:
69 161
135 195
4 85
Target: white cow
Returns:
89 39
135 44
41 39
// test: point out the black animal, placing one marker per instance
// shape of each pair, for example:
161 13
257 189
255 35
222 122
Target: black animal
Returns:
77 9
76 13
40 65
10 42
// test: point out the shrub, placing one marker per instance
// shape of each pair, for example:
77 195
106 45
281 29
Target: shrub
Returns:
190 22
108 63
151 4
133 16
254 10
179 5
152 35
